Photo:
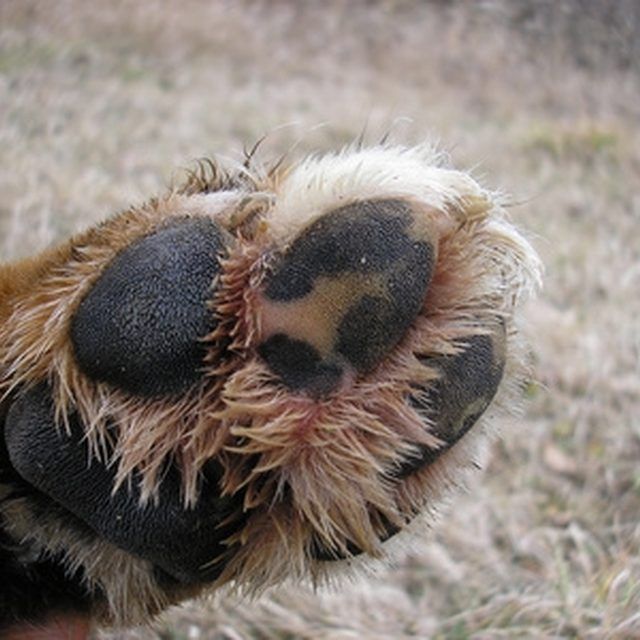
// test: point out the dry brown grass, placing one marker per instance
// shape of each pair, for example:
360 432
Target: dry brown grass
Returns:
100 101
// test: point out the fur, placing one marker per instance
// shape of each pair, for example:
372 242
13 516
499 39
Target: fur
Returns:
312 473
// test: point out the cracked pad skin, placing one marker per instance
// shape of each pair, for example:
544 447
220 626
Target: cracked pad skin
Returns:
194 376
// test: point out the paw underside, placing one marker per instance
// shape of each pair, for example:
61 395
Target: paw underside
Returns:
350 356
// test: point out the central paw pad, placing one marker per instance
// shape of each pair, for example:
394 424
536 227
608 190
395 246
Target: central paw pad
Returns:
344 293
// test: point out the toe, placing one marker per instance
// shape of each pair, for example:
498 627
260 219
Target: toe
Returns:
141 324
453 403
344 293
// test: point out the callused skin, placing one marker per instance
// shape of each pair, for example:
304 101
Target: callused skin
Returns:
140 329
34 585
128 332
454 402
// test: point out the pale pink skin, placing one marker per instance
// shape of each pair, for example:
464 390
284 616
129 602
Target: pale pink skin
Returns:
72 627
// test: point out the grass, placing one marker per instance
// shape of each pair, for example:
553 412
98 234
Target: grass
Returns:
102 101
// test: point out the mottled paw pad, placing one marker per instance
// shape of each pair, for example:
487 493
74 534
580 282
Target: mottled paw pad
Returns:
140 326
344 293
466 385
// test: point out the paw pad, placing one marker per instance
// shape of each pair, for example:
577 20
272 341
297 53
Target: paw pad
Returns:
139 328
454 402
156 531
344 293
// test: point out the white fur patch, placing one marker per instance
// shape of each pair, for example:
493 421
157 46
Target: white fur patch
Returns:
321 183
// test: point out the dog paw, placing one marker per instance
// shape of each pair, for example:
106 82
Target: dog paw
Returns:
259 373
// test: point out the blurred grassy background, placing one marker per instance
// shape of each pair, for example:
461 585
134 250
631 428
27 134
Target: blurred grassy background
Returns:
100 102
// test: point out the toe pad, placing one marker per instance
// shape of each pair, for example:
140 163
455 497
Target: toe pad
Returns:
347 288
139 328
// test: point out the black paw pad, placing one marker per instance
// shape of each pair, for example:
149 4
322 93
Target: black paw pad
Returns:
180 542
358 276
454 402
139 327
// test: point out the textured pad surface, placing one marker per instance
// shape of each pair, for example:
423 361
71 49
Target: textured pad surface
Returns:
181 542
454 402
33 585
139 328
349 287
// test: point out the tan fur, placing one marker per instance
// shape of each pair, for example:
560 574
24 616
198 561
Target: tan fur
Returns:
314 471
